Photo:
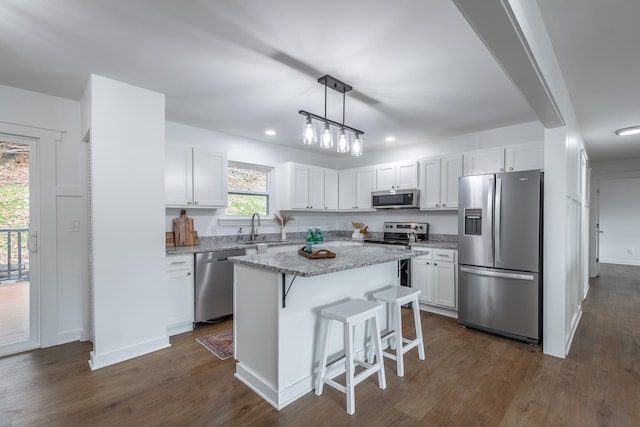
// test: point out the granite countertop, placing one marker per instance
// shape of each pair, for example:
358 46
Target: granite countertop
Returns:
225 246
347 258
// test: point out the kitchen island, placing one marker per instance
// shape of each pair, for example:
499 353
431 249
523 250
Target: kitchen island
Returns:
277 303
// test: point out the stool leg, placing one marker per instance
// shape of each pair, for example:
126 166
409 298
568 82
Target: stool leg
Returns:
416 319
375 335
324 331
398 327
349 386
391 316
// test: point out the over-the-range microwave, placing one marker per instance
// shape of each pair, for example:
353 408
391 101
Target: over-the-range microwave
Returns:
396 199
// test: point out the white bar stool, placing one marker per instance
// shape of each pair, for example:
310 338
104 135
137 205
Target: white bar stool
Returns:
350 313
395 298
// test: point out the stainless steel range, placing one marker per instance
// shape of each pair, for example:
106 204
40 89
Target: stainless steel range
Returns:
403 234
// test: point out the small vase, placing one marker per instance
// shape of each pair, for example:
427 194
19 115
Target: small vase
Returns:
283 234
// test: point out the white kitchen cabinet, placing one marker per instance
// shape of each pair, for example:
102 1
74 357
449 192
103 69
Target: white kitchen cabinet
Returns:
439 182
490 160
179 293
522 157
434 273
355 187
194 177
396 176
422 276
330 190
305 187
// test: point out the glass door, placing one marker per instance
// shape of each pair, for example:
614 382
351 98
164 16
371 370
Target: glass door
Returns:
18 298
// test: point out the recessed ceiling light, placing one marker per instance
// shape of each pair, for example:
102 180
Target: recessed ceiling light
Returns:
270 132
390 138
628 131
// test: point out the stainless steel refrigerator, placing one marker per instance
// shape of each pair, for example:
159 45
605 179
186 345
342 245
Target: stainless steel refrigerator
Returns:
500 254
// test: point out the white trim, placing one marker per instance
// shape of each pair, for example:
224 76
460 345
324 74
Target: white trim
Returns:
98 361
233 221
277 399
619 261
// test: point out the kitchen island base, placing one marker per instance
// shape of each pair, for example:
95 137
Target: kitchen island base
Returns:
275 347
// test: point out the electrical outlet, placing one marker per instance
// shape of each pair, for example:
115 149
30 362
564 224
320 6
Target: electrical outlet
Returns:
74 226
630 251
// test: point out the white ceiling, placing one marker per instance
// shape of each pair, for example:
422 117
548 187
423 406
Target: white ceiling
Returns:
418 70
597 44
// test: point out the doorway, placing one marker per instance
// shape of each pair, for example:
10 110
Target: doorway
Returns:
18 263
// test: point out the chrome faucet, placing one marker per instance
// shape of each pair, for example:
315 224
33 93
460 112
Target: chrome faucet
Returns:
254 231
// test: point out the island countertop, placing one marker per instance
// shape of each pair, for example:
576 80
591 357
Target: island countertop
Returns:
347 258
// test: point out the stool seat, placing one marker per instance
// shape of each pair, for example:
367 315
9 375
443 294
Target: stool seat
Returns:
350 313
395 297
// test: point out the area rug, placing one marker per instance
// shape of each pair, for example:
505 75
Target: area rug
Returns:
219 343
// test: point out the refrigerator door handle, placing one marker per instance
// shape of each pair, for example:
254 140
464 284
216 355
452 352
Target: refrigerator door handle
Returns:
489 237
498 220
497 274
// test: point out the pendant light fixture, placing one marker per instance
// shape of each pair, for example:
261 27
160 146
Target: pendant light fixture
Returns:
329 127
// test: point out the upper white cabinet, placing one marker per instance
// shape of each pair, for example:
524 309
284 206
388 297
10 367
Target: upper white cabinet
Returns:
396 176
305 187
490 160
510 158
439 182
195 177
355 187
522 157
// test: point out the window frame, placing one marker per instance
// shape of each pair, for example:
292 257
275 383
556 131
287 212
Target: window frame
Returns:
268 193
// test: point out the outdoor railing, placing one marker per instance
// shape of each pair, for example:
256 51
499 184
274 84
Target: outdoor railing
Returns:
14 254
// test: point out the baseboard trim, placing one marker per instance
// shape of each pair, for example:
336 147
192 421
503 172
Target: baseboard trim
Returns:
619 261
97 361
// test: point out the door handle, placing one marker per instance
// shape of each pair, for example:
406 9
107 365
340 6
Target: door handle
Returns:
498 220
497 274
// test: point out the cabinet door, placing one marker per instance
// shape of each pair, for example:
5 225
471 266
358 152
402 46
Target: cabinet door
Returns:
365 184
300 187
209 178
180 298
522 157
451 171
386 177
444 275
422 278
479 162
178 174
407 175
316 188
330 189
430 184
347 190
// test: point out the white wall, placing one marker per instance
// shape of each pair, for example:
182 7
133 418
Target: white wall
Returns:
61 200
619 201
563 198
127 164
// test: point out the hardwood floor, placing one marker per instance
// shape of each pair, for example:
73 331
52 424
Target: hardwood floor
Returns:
469 378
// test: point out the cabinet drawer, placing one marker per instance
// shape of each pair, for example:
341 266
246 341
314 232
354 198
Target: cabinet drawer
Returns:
448 255
425 254
178 262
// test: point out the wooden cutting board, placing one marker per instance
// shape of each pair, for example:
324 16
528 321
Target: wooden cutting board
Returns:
183 230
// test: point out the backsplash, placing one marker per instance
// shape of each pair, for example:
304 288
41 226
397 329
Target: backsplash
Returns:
297 236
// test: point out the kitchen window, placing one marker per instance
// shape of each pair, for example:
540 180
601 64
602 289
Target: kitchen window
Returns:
249 188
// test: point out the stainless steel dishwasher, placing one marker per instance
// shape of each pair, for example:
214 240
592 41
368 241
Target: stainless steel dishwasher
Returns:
214 284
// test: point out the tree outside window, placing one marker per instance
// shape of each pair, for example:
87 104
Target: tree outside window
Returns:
249 189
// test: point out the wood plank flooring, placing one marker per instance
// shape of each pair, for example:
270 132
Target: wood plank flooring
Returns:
469 378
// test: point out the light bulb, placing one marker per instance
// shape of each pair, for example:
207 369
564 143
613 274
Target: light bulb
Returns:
309 133
327 138
343 141
356 146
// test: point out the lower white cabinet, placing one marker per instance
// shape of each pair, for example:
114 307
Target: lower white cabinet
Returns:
180 298
434 273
